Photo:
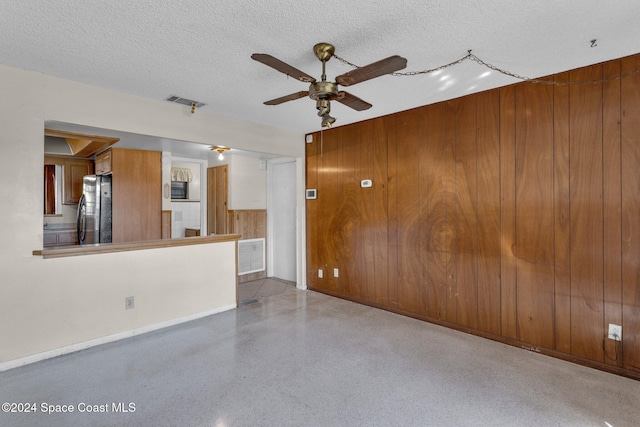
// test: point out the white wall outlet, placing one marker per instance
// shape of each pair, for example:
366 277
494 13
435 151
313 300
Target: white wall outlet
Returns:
128 303
366 183
320 273
615 332
309 139
335 272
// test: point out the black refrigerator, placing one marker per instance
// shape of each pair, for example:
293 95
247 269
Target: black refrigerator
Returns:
94 210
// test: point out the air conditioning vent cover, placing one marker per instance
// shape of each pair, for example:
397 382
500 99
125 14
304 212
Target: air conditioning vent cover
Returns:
251 256
184 101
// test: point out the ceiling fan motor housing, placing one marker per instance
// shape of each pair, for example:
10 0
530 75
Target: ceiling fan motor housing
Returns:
323 90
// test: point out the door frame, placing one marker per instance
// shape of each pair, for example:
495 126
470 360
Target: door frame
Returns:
301 278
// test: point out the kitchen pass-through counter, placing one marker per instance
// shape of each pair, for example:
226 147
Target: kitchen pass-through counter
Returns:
99 248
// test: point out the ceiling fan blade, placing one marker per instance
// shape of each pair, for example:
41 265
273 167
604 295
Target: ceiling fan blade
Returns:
376 69
352 101
285 68
286 98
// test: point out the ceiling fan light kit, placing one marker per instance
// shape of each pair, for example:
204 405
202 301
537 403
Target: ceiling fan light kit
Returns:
324 91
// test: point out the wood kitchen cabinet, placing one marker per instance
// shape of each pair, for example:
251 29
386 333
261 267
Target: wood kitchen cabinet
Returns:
59 238
74 171
136 194
103 163
191 232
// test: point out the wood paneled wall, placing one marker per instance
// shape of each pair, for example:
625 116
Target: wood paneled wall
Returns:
249 224
513 214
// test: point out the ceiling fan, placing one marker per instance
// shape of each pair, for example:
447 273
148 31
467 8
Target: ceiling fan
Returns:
324 91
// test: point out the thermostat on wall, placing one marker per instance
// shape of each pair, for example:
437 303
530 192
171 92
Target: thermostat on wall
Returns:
311 193
365 183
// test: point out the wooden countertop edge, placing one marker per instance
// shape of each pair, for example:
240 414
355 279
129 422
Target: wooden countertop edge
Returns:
105 248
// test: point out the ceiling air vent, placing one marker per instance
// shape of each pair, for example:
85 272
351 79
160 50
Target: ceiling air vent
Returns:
184 101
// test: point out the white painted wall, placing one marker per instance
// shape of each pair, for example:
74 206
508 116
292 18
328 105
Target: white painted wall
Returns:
247 183
281 202
49 305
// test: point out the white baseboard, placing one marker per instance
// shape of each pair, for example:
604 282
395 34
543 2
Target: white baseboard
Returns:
5 366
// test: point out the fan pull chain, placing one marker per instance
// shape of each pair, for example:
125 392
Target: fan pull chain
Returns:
474 58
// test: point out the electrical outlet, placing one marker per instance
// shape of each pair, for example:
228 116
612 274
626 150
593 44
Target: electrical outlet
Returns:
128 303
615 332
320 273
335 272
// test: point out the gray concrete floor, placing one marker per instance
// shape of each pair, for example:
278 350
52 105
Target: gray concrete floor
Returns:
250 292
300 358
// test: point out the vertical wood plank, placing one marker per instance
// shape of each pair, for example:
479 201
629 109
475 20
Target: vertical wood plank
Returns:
392 208
488 208
612 187
508 289
440 231
449 183
348 219
409 291
585 187
166 222
534 214
561 220
329 207
379 265
630 159
423 205
464 212
364 205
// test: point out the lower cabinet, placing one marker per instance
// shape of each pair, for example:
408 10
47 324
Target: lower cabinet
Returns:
59 238
191 232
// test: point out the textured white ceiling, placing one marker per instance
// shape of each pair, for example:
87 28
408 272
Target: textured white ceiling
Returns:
200 49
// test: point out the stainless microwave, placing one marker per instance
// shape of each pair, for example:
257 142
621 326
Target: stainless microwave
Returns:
179 190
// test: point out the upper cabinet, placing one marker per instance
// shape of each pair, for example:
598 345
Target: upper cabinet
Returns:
74 171
103 163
